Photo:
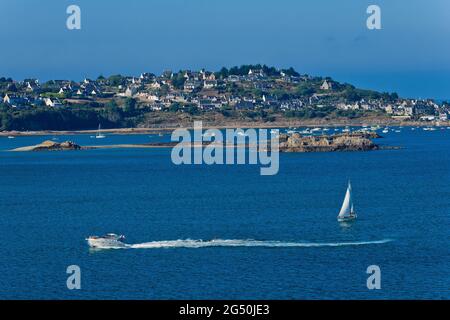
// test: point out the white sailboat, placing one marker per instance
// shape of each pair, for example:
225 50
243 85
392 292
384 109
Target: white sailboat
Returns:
99 134
347 212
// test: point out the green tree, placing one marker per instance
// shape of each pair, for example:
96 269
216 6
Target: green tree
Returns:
291 72
116 80
130 106
175 107
178 80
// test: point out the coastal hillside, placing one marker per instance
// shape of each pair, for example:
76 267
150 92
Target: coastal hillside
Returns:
249 95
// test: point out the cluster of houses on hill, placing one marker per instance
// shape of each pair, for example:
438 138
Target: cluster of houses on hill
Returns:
30 93
426 110
254 89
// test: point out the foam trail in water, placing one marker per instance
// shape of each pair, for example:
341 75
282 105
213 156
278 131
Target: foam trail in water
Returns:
245 243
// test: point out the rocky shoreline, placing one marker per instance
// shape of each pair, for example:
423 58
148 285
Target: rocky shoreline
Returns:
356 141
51 146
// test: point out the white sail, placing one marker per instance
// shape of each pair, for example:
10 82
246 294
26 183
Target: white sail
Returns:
347 206
99 133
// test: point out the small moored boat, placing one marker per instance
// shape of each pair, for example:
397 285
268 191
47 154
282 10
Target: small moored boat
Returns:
346 129
99 133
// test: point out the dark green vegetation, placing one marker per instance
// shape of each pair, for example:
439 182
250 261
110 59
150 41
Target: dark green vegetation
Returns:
81 117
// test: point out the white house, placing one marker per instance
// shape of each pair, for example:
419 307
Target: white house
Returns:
49 102
131 91
191 85
427 118
30 87
326 85
209 84
6 99
155 85
62 90
256 72
233 78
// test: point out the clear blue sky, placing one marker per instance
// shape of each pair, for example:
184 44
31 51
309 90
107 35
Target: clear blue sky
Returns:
410 55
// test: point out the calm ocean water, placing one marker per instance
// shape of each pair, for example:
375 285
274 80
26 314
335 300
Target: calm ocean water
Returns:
50 201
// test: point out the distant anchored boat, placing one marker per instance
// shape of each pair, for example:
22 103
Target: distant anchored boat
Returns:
99 133
347 212
346 129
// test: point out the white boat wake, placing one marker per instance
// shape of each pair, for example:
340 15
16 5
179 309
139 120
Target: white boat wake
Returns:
193 244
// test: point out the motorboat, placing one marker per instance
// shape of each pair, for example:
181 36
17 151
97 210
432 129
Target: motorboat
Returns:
110 240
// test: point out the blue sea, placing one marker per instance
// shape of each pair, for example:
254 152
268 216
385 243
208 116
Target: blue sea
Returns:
262 237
